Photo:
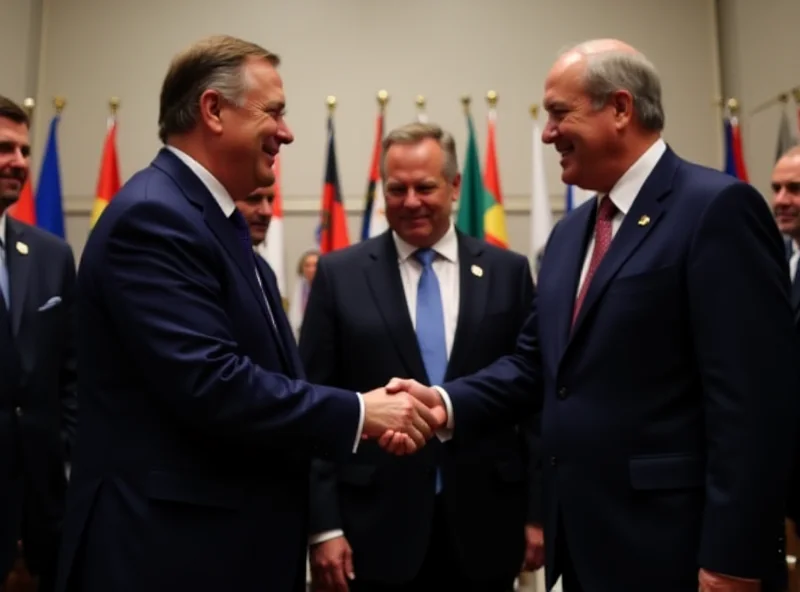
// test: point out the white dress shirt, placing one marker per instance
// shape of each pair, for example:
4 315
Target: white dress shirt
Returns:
624 193
447 271
792 260
227 205
3 260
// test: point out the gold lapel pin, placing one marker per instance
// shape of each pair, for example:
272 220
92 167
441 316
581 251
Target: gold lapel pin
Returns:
22 248
477 271
644 220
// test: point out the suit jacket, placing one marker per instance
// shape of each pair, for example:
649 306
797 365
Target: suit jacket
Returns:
357 334
191 465
38 403
669 408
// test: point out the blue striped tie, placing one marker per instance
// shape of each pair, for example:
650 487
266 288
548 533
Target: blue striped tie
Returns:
430 326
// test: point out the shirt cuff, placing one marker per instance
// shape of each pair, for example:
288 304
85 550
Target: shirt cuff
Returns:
360 422
446 433
327 535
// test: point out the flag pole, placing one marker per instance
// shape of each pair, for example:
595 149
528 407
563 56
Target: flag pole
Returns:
465 101
383 99
59 103
491 99
113 105
420 101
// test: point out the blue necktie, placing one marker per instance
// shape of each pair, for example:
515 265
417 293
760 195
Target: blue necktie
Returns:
430 326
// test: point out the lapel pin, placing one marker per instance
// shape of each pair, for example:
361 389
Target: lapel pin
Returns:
644 220
22 248
476 271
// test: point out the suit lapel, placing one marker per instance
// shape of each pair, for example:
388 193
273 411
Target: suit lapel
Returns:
383 278
285 335
473 297
638 223
19 270
567 265
196 192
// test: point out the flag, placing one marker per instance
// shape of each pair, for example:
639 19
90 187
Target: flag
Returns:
272 247
333 233
474 200
24 209
495 217
541 212
786 138
108 181
734 153
575 196
49 202
374 222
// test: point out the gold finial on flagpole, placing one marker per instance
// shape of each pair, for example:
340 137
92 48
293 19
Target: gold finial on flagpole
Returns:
465 101
733 106
383 99
28 104
59 103
331 102
491 98
534 111
420 101
113 105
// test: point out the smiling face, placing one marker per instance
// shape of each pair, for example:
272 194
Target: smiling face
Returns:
14 160
419 199
786 194
249 134
587 138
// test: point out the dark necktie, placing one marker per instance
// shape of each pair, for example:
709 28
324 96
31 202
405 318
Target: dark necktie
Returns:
243 232
602 241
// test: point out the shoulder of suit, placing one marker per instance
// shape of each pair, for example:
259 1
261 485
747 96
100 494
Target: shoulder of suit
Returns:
698 185
353 253
42 238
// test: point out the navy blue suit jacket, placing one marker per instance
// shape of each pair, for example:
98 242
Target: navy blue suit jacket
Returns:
38 400
357 332
669 408
196 429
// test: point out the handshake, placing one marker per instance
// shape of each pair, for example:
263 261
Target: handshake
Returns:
403 415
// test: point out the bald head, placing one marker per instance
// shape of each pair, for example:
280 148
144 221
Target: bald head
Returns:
604 101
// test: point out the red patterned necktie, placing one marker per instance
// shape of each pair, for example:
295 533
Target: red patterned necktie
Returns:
602 240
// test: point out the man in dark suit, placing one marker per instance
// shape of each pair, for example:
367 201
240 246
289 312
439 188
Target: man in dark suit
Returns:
197 426
451 516
38 403
662 334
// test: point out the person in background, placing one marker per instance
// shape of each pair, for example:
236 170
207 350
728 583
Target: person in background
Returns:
426 301
257 211
38 399
306 270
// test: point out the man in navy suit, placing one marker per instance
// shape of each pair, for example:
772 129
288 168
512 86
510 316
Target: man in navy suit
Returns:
662 335
452 516
197 427
38 402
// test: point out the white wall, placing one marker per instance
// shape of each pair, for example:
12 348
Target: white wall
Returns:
20 38
93 49
760 59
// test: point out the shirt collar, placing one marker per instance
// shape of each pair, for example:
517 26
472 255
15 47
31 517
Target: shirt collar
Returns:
215 188
3 227
446 247
627 188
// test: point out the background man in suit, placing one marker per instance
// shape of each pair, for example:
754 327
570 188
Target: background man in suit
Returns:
420 300
786 207
256 209
191 465
38 403
667 352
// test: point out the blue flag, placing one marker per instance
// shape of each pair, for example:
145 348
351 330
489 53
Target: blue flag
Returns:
49 203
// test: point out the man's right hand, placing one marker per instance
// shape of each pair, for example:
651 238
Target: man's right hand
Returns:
331 565
399 413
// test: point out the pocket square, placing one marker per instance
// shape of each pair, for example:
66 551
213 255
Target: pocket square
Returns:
54 301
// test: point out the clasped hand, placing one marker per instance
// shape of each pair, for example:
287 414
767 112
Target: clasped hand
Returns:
403 415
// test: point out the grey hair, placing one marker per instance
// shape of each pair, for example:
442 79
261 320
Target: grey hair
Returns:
611 71
416 132
213 63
